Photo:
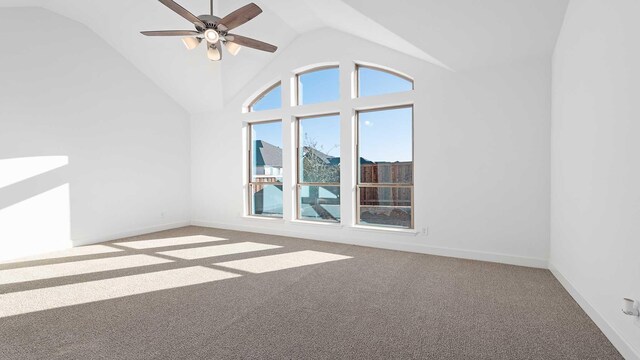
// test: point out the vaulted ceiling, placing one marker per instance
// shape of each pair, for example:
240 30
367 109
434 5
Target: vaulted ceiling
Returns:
455 34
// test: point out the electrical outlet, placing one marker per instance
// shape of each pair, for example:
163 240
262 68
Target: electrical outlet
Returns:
425 230
630 307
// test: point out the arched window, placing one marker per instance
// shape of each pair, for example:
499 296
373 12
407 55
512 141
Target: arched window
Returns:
318 85
376 163
375 81
270 99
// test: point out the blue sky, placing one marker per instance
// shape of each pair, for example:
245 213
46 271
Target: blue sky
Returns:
270 132
319 86
325 130
271 100
384 135
375 82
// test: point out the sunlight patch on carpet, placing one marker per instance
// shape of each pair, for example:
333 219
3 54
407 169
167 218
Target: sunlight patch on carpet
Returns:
71 252
81 293
218 250
157 243
41 272
269 263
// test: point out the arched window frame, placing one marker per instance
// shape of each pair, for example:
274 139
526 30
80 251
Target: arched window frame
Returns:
260 96
382 69
299 74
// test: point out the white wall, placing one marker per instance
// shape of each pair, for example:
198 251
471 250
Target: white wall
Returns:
481 154
595 187
90 149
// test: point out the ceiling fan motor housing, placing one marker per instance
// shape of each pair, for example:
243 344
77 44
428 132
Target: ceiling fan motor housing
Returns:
210 21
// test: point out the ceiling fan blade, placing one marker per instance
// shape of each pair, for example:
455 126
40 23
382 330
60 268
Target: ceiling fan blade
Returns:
213 52
232 47
252 43
183 12
171 33
240 16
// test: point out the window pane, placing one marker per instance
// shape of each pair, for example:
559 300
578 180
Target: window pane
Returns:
319 149
266 152
266 200
269 100
319 86
389 206
377 82
319 203
385 146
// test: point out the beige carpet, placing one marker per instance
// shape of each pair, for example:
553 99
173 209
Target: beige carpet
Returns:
198 293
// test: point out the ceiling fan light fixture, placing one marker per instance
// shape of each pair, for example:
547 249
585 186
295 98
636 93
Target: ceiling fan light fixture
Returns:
191 42
233 48
212 36
214 53
213 30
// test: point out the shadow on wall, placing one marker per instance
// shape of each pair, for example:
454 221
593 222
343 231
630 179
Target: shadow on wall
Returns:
35 212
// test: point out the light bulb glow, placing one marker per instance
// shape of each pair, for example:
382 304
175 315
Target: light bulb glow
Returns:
191 42
232 47
213 53
211 36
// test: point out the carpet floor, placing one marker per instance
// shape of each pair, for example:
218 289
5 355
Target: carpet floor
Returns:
201 293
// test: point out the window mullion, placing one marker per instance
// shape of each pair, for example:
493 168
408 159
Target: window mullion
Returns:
347 142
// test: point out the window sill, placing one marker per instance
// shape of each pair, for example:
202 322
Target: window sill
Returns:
306 223
316 223
263 218
409 232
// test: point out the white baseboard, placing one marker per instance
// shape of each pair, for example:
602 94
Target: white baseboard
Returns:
128 233
618 341
399 244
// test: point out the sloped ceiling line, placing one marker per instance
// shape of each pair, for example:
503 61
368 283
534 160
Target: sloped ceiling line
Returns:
462 33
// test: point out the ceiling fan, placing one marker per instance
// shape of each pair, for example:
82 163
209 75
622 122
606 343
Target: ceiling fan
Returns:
215 30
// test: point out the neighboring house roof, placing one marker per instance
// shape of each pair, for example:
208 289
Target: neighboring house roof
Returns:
328 159
325 158
268 154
